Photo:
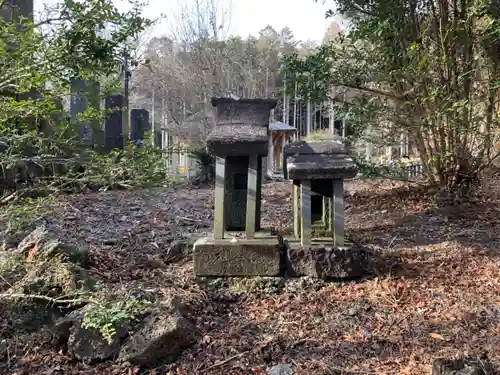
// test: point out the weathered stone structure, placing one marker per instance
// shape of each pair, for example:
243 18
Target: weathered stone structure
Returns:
239 247
239 141
319 167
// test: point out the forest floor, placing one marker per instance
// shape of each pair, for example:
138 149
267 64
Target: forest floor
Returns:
438 296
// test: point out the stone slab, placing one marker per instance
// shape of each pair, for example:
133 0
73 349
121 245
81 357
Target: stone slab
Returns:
326 262
253 257
321 166
249 111
330 147
238 146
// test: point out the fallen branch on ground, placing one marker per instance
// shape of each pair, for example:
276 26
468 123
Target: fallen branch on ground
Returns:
58 300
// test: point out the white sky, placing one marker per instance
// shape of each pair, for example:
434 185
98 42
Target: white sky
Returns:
306 18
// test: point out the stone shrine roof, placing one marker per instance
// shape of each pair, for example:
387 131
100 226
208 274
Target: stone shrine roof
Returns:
317 160
241 127
277 126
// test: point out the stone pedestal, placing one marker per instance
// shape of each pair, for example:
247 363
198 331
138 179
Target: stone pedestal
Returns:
255 257
265 256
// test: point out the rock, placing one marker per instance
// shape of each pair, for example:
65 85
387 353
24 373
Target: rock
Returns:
41 244
160 338
11 240
463 366
85 344
110 242
143 295
178 249
281 369
328 263
61 330
54 278
88 345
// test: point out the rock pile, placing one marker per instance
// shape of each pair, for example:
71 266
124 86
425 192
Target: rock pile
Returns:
47 285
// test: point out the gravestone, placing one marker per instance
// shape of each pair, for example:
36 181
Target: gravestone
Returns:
320 167
84 95
139 124
113 131
157 139
239 140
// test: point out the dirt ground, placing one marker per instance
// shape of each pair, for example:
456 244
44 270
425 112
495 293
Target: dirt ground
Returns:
436 294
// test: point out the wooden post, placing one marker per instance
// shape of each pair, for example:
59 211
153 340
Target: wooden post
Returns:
338 213
296 211
251 196
220 182
305 211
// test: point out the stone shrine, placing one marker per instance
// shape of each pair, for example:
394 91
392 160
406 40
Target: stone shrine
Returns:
239 246
318 168
239 140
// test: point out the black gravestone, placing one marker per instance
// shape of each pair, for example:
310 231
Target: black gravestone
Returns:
139 123
113 124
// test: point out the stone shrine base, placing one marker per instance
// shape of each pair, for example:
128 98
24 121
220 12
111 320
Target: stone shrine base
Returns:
264 256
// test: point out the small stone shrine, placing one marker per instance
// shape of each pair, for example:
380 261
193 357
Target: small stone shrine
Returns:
239 140
318 169
239 246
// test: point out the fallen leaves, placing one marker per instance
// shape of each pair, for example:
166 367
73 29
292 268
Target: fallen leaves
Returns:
436 336
428 301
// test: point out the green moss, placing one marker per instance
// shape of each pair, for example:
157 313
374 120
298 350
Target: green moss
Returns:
12 269
54 275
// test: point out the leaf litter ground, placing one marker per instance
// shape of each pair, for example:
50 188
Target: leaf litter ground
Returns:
437 292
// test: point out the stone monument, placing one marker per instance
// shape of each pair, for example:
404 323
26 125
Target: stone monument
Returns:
139 124
320 167
113 130
239 140
85 95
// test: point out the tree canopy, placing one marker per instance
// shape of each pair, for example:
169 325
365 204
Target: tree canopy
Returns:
429 69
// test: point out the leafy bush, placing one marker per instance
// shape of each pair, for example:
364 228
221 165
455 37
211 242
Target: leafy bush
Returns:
205 162
107 318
